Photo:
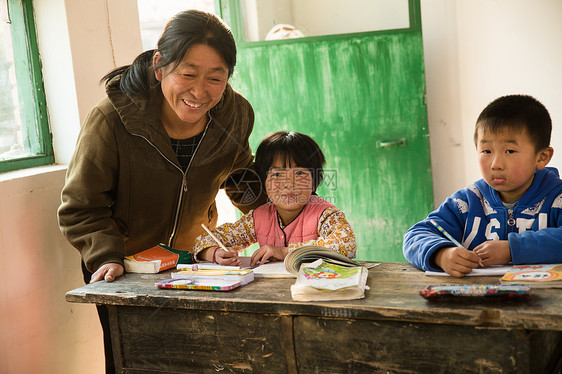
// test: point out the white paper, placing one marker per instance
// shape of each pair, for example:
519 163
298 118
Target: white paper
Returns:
494 270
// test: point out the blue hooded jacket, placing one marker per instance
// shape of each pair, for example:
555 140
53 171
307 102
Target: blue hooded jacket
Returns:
476 214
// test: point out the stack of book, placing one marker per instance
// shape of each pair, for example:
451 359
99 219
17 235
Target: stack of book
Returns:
321 280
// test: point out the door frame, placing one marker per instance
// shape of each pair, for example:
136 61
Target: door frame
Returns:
230 12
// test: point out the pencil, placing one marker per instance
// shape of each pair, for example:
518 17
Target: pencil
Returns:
215 238
450 237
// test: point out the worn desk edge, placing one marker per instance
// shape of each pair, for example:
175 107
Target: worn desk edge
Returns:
487 315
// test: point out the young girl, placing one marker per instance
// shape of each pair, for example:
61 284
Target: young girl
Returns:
291 164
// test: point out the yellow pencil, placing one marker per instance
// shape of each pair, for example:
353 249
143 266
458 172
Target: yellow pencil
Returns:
216 239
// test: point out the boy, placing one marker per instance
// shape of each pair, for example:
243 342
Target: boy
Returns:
513 214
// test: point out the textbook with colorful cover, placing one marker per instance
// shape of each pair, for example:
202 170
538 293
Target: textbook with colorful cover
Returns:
156 259
322 280
536 276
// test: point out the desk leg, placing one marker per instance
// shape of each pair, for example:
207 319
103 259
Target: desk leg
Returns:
289 344
115 338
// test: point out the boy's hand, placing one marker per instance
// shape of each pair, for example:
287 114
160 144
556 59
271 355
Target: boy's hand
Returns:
457 261
494 252
268 252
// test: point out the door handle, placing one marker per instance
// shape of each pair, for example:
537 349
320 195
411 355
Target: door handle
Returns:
391 143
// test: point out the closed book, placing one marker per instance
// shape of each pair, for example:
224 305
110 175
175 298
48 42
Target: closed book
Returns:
244 276
156 259
536 276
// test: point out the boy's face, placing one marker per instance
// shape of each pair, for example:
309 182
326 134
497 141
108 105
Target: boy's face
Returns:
508 160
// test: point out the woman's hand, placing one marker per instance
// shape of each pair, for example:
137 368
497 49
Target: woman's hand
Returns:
108 272
268 252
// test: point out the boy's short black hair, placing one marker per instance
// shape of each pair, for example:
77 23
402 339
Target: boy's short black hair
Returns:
299 148
517 112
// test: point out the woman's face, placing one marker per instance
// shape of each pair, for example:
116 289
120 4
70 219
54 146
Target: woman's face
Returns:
194 87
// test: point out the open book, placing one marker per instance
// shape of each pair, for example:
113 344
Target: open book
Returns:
289 268
311 253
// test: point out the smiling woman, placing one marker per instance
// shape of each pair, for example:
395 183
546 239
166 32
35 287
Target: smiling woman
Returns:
191 89
153 154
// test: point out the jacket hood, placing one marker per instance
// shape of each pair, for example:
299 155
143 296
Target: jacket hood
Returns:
544 182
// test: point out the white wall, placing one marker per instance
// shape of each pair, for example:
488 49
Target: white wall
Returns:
475 51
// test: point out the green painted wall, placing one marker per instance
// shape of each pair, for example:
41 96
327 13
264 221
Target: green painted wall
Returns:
350 93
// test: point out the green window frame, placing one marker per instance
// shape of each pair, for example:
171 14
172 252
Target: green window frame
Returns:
36 136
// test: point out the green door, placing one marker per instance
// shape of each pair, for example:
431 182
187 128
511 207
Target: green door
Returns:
361 97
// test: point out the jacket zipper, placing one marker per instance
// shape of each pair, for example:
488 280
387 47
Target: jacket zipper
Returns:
184 177
510 219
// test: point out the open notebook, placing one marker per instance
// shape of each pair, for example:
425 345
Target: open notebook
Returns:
274 269
494 270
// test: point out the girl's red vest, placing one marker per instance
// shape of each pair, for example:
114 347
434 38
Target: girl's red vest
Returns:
301 229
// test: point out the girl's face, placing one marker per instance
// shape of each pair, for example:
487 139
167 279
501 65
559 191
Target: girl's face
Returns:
194 87
288 188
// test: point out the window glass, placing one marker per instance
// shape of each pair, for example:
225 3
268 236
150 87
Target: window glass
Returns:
11 143
153 15
285 19
25 139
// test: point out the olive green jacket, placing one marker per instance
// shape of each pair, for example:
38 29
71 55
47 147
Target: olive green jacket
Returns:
125 190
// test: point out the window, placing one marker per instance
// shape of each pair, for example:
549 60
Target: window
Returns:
25 140
287 19
153 15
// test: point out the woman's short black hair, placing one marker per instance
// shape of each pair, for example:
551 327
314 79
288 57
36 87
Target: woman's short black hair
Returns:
291 147
183 30
517 112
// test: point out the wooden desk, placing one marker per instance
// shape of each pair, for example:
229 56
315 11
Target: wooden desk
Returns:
258 328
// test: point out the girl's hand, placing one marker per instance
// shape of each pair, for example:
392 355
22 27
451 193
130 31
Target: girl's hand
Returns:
268 252
227 258
108 272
